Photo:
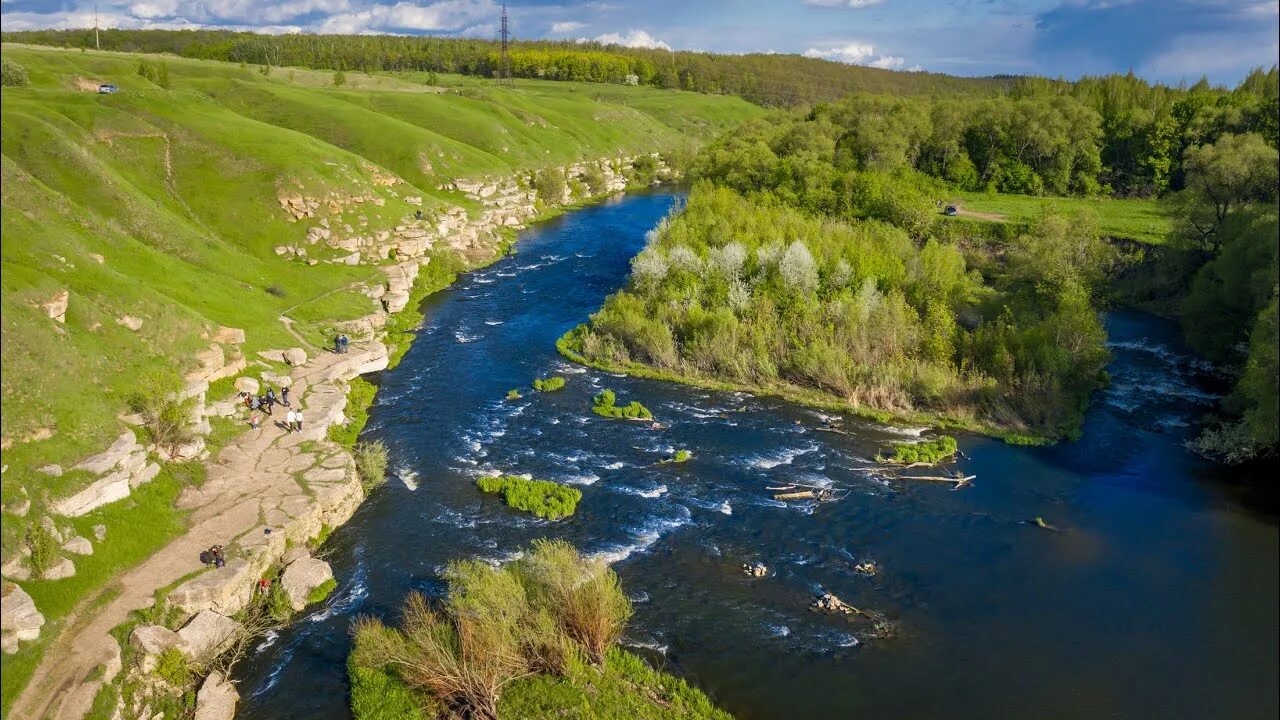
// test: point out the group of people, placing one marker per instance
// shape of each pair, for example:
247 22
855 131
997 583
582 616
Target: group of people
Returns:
264 402
213 556
341 344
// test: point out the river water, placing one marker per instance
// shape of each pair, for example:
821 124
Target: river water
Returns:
1156 597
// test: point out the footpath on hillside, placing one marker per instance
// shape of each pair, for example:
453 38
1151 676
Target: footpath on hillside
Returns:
265 478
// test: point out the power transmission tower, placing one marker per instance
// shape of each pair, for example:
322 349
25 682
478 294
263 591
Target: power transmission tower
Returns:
504 63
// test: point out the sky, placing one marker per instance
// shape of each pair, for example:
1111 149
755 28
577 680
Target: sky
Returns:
1163 40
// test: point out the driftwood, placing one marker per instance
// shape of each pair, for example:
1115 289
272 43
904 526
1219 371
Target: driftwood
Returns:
959 482
832 430
783 487
802 495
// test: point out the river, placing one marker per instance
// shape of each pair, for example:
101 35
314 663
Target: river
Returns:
1157 596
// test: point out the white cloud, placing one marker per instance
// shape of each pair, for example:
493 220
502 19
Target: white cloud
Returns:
857 53
154 9
887 62
634 38
854 53
1213 54
855 4
448 15
567 26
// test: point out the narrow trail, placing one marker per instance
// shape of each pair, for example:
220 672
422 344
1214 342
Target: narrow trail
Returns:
252 482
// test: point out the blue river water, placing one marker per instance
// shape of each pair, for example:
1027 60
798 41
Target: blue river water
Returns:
1156 596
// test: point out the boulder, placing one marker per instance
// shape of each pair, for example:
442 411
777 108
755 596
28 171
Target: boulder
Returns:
272 378
182 453
208 634
20 507
295 356
301 577
56 306
62 568
53 470
16 568
78 546
757 570
217 699
247 384
227 589
144 476
229 335
107 490
131 322
20 620
100 532
107 459
155 639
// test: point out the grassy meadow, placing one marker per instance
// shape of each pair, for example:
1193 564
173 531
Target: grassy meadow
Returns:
1142 219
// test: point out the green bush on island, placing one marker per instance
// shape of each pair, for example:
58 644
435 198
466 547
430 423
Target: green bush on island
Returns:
535 638
603 404
543 498
550 384
930 451
514 394
679 457
371 463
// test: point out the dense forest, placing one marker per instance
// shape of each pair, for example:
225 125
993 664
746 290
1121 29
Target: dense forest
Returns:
812 258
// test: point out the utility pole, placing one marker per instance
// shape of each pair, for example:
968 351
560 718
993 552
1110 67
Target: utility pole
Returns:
504 63
96 45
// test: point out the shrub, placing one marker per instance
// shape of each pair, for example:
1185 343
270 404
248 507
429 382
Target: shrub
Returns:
174 667
550 184
603 404
681 456
43 546
514 394
166 418
551 384
339 78
12 74
543 498
157 73
371 463
932 451
360 394
593 176
583 594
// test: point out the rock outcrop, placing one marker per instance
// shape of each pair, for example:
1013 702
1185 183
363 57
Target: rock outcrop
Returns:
217 699
20 621
301 577
207 634
56 306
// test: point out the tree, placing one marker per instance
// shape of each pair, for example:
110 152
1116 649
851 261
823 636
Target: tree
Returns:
12 74
1221 178
339 78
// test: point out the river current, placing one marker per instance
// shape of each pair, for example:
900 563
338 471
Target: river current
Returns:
1156 595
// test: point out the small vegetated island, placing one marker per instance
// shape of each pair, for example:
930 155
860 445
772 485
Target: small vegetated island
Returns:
546 499
605 405
929 452
533 639
550 384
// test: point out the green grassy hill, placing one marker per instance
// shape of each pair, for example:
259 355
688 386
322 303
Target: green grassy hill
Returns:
162 204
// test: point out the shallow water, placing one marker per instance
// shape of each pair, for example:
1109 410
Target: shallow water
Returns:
1158 597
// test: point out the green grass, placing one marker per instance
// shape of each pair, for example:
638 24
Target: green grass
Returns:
930 451
550 384
604 405
624 689
1143 220
360 396
546 499
322 591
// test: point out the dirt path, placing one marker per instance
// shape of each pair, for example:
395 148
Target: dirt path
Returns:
979 215
253 482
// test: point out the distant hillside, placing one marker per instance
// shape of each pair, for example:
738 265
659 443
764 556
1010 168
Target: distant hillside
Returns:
766 79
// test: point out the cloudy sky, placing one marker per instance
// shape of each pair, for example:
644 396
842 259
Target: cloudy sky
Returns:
1167 40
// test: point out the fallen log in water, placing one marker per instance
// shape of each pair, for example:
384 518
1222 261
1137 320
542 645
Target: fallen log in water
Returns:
802 495
957 481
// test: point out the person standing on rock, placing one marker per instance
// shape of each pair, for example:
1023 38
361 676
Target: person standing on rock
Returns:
337 344
271 396
284 395
346 344
266 406
289 419
297 420
254 421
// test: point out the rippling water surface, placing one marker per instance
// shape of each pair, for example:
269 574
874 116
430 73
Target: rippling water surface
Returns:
1157 597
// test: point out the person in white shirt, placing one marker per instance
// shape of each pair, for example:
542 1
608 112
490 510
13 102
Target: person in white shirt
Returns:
289 420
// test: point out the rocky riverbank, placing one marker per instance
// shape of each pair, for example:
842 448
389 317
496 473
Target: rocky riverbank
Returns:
268 492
